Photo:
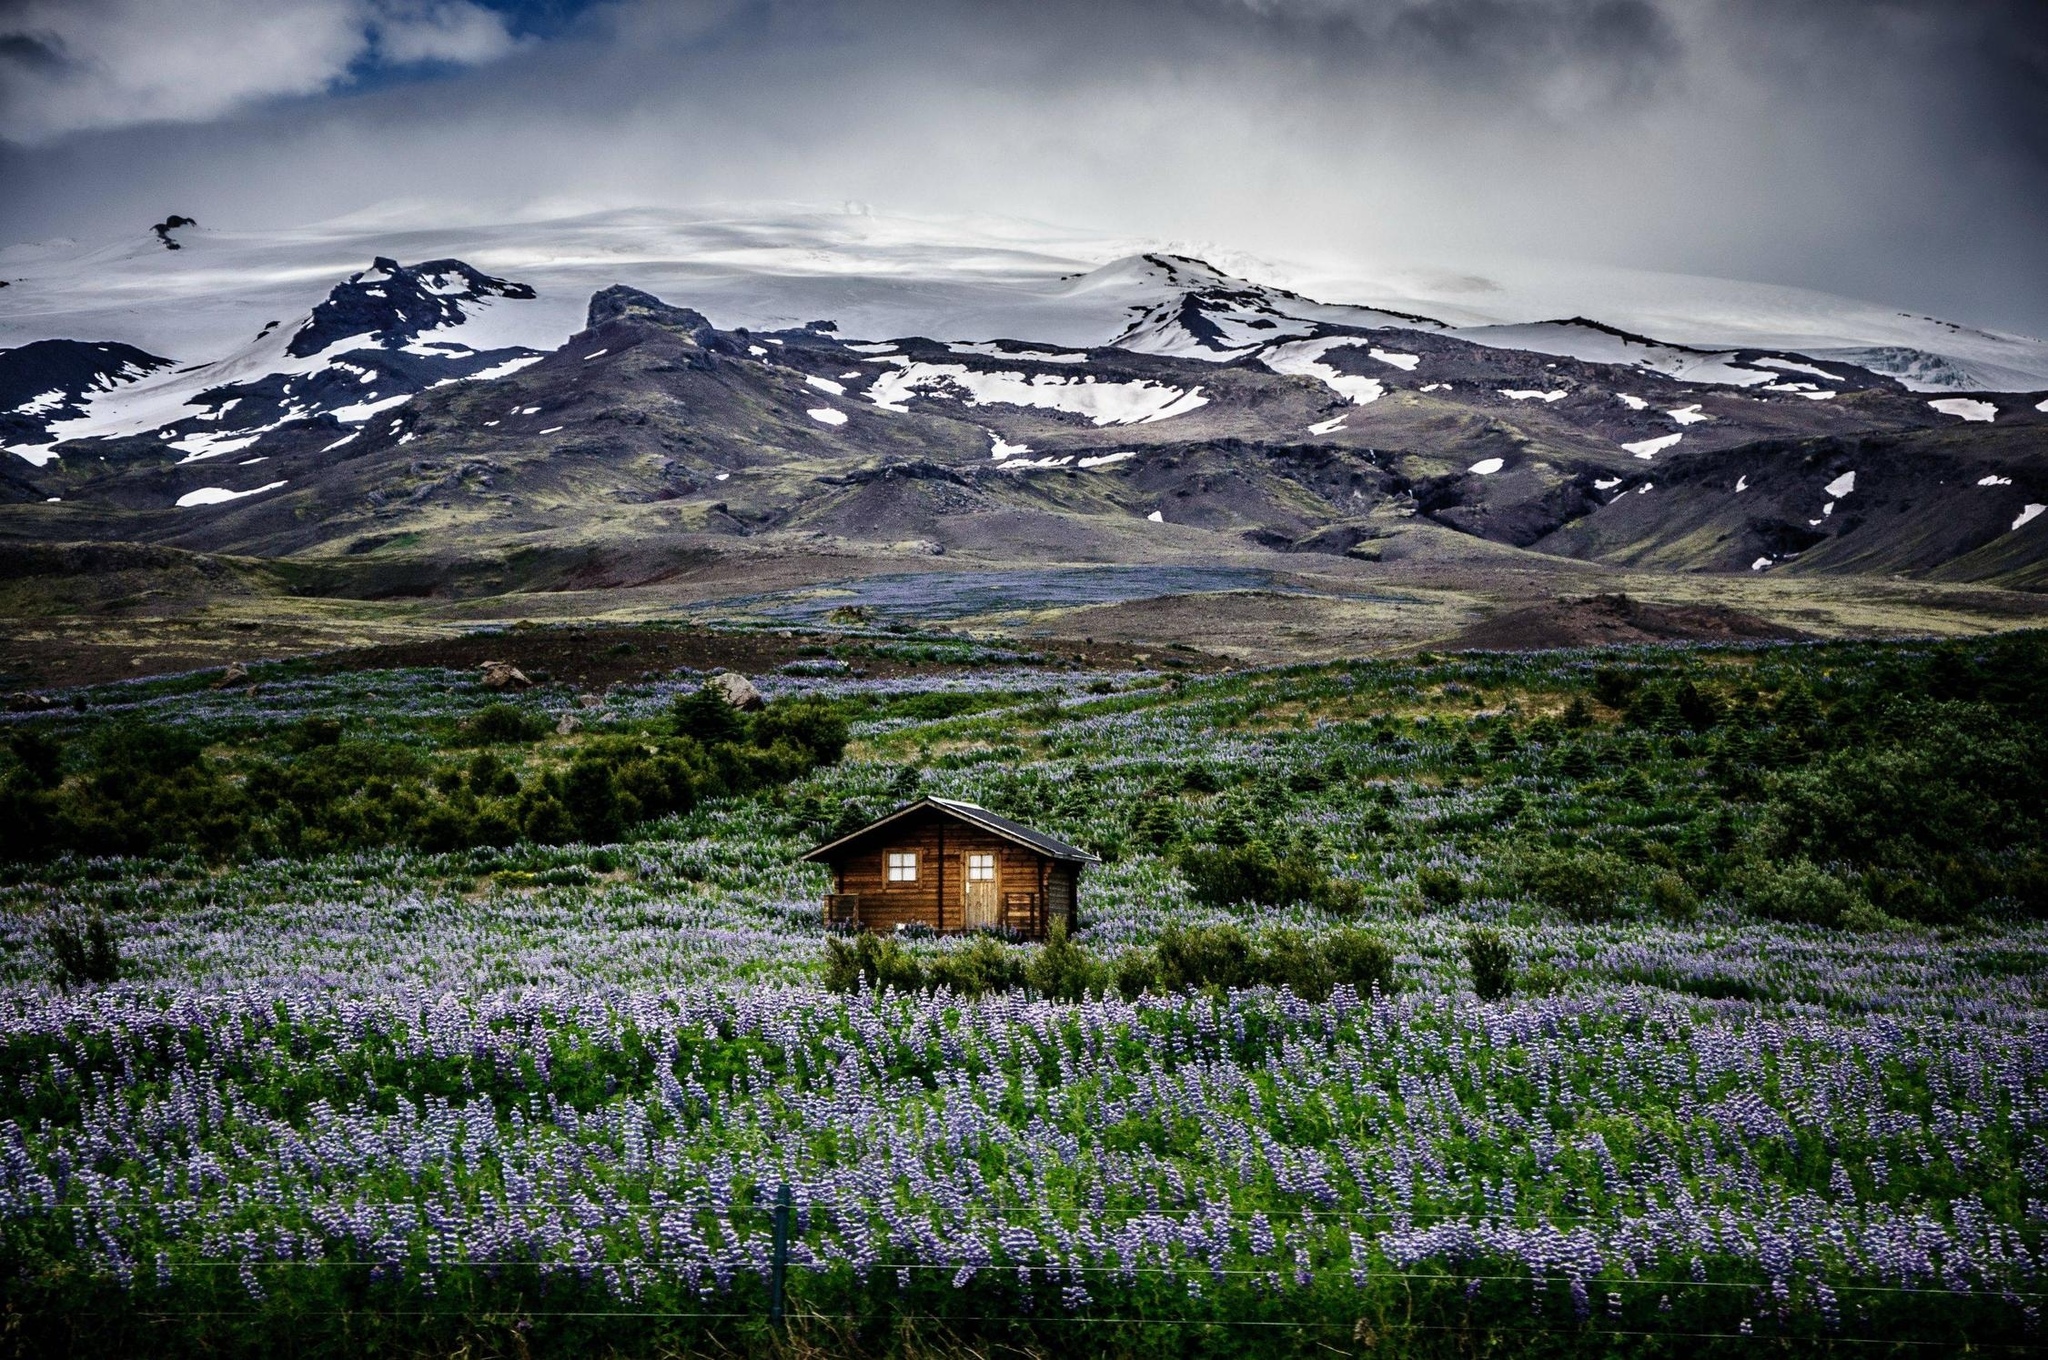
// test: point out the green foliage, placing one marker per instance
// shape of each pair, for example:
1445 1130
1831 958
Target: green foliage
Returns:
1362 959
1062 970
704 716
1439 886
498 724
311 789
1492 963
1799 891
982 966
1230 875
82 957
1586 885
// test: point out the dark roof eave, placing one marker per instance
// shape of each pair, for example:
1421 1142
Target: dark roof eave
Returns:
973 815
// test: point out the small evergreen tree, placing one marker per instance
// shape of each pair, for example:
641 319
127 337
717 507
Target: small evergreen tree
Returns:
1492 963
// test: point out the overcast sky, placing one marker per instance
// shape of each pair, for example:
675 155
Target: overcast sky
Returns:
1895 150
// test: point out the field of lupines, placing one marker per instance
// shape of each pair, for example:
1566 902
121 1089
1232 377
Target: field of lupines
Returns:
1775 1068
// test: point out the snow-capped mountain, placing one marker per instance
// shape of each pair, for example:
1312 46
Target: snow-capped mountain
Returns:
867 383
377 338
951 279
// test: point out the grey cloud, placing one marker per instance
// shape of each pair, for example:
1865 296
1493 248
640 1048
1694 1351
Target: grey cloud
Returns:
1880 148
83 64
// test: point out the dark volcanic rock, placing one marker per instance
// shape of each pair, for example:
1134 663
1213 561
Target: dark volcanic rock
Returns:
392 303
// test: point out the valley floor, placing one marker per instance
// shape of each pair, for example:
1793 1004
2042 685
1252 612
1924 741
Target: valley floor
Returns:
1759 1060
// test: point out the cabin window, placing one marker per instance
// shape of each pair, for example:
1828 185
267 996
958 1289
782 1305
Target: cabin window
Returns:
903 866
981 867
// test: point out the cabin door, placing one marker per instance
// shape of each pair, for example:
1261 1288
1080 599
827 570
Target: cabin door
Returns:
978 906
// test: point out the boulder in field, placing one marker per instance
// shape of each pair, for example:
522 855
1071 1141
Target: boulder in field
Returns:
503 675
737 690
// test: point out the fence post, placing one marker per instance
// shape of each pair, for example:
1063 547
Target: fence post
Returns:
778 1261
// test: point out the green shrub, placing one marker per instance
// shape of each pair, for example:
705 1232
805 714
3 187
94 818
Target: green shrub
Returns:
1062 970
1288 960
1799 891
704 715
1439 886
982 966
1362 959
1492 963
494 724
1584 884
82 957
873 961
1136 972
1195 957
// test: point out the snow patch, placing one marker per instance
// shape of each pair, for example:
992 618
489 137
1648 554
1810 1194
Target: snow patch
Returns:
757 351
594 353
1105 459
1647 449
347 439
990 349
1742 483
1002 448
1156 517
1104 403
352 415
1531 394
1304 359
510 366
1606 483
1330 426
2029 514
826 415
218 495
1395 359
837 389
1967 408
1994 480
1760 564
47 401
1434 387
886 347
1688 415
552 429
1633 403
1841 486
1486 467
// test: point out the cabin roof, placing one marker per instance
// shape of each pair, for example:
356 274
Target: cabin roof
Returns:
974 815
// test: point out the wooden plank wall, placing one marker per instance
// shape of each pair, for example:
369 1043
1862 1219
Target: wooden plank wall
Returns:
884 906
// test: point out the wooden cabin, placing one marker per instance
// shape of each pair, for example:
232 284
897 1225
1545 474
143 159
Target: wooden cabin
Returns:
951 866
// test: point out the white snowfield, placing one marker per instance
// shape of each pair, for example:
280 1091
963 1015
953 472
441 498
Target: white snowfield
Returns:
225 305
1532 394
218 495
1104 403
1966 408
1649 448
1841 486
1304 359
826 415
1486 467
2029 515
1688 415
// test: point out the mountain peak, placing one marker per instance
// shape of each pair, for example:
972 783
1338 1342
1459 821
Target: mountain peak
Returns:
393 304
620 303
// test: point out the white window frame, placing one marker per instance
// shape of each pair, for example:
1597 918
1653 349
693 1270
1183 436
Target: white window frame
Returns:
981 866
900 866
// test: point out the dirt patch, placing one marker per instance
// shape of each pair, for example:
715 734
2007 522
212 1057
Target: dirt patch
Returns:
1613 621
597 656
